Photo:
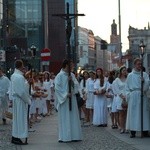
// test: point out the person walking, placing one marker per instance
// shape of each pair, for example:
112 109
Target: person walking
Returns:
68 120
133 97
21 99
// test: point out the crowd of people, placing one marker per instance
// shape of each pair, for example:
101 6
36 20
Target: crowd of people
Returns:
94 96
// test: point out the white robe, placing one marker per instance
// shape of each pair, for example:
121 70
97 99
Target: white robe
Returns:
120 87
90 93
21 99
133 94
100 105
68 121
4 87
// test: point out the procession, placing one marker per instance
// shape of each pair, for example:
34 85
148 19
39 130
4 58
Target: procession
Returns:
95 98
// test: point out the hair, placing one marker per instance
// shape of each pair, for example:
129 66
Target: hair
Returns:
1 68
48 74
111 77
136 60
101 76
84 81
65 63
129 70
120 70
18 64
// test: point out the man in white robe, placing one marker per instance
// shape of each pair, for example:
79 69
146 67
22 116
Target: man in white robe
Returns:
21 100
133 97
4 87
68 120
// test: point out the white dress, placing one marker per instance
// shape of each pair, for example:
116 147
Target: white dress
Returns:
114 102
133 94
110 92
68 121
100 105
120 89
48 86
90 93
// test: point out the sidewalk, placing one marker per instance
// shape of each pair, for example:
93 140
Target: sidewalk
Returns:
95 138
45 137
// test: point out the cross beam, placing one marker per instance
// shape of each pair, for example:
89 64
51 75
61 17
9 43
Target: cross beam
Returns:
68 18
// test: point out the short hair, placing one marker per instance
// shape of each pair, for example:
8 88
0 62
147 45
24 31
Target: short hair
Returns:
136 60
18 64
66 62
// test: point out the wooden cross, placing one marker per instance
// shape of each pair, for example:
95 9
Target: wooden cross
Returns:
68 18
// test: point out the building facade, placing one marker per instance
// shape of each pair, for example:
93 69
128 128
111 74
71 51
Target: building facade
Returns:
135 37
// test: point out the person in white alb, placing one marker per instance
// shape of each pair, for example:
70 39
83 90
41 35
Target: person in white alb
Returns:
21 99
133 96
68 120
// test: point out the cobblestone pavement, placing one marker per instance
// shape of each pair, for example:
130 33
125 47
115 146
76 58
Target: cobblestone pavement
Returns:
98 138
5 138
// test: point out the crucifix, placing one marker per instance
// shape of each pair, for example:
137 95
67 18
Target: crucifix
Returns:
67 17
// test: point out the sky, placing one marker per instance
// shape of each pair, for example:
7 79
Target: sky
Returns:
99 15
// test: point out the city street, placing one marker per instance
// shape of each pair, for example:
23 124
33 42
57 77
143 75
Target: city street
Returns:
95 138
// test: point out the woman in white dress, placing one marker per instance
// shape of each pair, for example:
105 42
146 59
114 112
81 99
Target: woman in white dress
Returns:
100 102
47 84
120 84
90 96
83 93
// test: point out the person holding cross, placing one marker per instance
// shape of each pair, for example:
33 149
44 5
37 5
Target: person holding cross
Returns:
68 119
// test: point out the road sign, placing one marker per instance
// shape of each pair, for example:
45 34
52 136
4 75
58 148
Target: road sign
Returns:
45 54
2 56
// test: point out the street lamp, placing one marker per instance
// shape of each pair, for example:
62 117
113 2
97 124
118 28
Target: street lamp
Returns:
142 49
33 50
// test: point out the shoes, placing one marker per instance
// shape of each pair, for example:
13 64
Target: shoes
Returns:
132 136
122 131
4 121
17 141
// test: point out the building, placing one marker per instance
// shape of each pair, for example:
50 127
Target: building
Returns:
57 34
83 47
22 26
135 37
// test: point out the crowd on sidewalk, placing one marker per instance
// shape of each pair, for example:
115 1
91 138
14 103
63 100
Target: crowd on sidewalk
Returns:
93 95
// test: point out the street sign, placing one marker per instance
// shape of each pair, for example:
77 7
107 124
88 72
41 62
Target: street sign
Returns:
45 54
2 56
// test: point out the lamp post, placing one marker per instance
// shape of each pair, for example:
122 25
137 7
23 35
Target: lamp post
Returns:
142 48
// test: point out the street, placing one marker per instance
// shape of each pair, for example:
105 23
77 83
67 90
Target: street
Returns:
94 138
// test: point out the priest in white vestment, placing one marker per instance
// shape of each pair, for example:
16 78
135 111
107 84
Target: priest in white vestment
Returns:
4 87
133 96
68 120
21 99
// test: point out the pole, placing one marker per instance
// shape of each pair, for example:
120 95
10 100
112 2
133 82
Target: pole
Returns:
68 35
142 83
120 44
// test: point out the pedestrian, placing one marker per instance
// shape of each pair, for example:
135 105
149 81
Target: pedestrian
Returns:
100 102
83 94
4 88
120 85
133 96
110 95
21 99
68 120
90 96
